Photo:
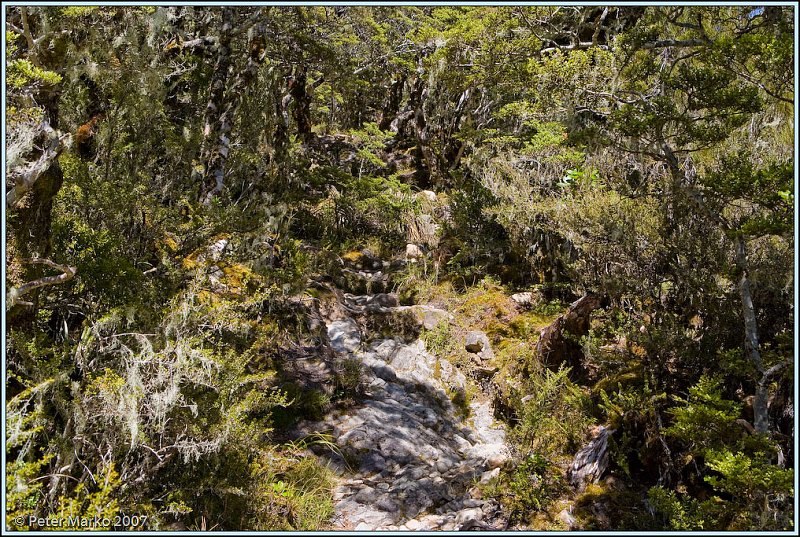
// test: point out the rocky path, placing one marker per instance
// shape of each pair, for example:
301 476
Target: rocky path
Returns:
409 461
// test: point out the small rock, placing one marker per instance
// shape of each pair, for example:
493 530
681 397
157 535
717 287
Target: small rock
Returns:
476 341
383 300
489 507
474 514
496 461
373 462
453 505
413 525
489 475
365 496
430 522
386 504
482 369
429 317
345 335
414 252
443 465
523 299
461 442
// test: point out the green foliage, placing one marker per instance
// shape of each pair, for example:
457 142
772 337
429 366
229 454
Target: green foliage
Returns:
22 73
531 486
100 500
629 404
687 515
24 490
627 163
440 341
350 378
302 501
105 271
370 141
706 419
554 419
358 207
752 491
749 480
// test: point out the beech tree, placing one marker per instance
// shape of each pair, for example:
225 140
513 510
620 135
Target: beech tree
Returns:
691 87
184 182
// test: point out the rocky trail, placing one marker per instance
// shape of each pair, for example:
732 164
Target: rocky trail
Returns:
408 459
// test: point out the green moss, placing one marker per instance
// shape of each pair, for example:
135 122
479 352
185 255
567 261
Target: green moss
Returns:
354 256
461 399
599 501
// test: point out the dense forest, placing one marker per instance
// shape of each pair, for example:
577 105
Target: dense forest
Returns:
405 268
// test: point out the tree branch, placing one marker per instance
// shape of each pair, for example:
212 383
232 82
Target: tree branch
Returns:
15 293
25 179
581 45
674 43
771 372
26 31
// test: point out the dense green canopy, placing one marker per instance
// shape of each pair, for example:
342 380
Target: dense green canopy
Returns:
643 155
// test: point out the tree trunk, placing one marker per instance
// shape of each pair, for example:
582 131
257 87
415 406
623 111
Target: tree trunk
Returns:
226 96
215 141
280 138
301 111
760 413
558 342
392 105
29 237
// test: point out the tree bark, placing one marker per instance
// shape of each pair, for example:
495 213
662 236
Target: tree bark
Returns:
15 293
392 105
760 411
302 94
25 179
215 141
590 462
226 96
29 237
301 111
558 342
